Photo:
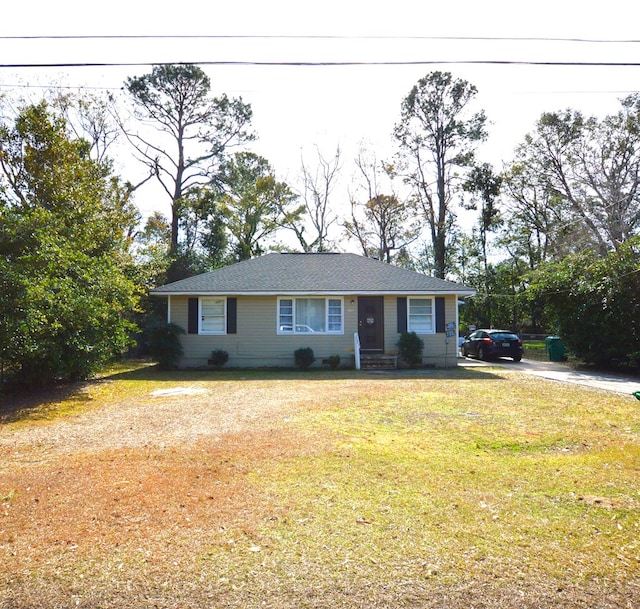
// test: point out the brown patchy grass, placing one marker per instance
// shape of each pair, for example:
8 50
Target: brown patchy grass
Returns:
272 489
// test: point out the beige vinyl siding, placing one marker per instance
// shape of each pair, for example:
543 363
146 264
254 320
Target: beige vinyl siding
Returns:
257 343
439 350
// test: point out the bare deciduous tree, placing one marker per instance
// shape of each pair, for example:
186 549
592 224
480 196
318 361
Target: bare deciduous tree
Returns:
317 186
381 223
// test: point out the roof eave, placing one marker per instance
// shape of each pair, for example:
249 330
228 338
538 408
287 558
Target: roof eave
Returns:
463 293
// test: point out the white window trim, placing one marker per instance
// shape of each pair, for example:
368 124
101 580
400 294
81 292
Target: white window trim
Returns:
433 315
211 332
326 316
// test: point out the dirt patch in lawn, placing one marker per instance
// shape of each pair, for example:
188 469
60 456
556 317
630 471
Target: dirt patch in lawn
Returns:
125 499
111 497
182 413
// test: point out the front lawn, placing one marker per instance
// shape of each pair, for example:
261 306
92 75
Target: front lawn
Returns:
437 489
536 350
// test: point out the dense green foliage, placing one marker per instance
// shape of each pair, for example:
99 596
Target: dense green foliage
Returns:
410 347
254 204
304 357
218 358
594 302
65 298
165 345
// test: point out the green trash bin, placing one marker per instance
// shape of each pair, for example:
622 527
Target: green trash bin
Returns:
555 349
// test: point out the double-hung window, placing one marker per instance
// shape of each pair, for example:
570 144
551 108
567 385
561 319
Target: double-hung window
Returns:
420 316
213 313
310 316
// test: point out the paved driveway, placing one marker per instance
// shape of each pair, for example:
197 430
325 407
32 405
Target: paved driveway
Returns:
566 374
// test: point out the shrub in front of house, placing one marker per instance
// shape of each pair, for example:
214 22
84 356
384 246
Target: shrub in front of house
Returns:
219 357
304 357
410 347
334 362
165 346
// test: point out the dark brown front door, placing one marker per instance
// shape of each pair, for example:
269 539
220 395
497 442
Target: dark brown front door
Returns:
371 323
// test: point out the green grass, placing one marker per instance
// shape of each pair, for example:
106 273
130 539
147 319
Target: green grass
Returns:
420 491
416 474
536 350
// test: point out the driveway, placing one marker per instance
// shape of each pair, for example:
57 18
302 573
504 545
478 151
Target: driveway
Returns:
564 373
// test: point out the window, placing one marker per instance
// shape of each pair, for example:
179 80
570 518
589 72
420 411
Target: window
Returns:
421 316
310 316
213 315
334 315
285 321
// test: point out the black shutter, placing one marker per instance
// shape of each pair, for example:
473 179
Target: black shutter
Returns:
232 315
440 325
402 315
193 316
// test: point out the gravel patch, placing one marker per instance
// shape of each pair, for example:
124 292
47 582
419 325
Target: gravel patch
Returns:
183 414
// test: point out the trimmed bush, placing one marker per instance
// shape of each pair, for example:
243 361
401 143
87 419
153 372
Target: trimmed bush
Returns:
334 362
304 357
219 357
410 346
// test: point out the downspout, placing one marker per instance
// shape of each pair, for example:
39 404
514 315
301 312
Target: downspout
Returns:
457 326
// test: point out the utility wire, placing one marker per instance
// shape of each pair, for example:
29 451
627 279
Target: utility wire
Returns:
266 63
313 37
105 64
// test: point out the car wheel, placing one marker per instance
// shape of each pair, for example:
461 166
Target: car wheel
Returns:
464 352
517 358
481 353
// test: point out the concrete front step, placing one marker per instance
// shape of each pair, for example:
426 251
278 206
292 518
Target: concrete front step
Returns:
378 362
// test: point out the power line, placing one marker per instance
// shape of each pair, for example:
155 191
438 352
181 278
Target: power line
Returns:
496 62
315 37
317 63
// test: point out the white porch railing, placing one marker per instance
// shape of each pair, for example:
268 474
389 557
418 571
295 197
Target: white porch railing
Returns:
356 349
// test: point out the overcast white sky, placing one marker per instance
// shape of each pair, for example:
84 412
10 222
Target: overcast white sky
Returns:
296 108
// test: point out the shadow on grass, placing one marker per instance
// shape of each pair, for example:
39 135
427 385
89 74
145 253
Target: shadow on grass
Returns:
152 373
22 404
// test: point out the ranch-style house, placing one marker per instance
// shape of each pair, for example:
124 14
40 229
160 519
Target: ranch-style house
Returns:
261 310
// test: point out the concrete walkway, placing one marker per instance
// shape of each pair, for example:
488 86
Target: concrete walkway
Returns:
565 373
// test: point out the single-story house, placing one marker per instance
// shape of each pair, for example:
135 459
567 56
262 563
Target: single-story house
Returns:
261 310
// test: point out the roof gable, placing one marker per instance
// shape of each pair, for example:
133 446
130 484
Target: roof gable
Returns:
323 273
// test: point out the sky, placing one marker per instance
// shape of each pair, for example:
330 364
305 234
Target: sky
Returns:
300 108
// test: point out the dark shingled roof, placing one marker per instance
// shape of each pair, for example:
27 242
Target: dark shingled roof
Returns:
311 273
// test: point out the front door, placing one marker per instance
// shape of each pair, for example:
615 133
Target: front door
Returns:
371 323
